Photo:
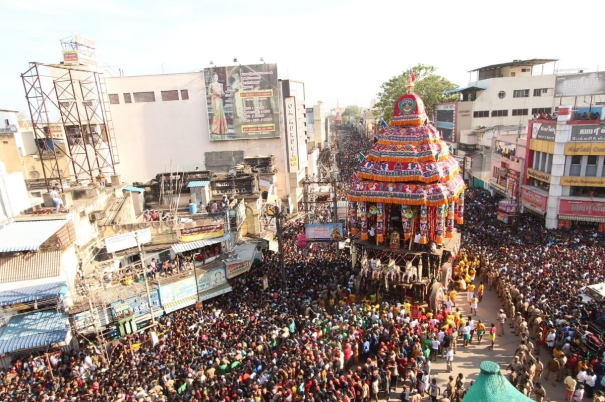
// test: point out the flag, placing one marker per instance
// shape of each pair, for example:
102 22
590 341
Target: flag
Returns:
361 157
412 76
383 124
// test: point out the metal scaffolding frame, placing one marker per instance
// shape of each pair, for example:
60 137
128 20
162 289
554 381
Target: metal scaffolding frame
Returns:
70 115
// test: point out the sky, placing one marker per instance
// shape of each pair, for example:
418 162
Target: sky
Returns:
343 50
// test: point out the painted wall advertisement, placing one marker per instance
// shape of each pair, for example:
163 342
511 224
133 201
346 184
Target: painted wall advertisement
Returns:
211 279
178 290
324 232
584 208
534 199
201 233
242 102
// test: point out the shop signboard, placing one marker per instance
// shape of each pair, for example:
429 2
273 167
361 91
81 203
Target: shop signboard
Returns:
538 175
127 240
324 232
534 199
584 208
178 290
544 131
237 268
584 181
201 233
587 133
242 102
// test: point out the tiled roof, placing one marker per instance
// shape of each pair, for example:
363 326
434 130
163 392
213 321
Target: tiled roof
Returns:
29 266
31 293
25 236
33 330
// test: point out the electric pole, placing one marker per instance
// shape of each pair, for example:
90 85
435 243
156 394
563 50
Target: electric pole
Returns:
280 244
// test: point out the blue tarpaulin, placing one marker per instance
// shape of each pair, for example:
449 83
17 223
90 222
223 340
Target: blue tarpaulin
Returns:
34 330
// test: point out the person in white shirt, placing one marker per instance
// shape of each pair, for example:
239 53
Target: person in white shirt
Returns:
579 394
56 197
435 349
449 359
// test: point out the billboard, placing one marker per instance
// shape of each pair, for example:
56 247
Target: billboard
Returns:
586 84
242 102
127 240
445 121
324 232
585 208
291 133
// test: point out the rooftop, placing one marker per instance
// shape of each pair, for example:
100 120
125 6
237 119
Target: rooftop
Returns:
28 236
517 63
30 266
33 330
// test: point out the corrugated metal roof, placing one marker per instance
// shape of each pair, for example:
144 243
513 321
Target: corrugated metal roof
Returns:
244 252
135 189
24 236
182 247
33 330
31 293
199 183
29 266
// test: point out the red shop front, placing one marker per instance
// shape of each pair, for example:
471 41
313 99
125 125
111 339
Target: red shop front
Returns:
589 211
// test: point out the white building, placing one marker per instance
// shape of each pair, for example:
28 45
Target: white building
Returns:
161 124
500 100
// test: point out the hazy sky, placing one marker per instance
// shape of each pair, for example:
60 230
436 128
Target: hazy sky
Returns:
342 50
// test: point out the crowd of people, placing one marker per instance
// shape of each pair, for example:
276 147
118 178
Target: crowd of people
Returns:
317 336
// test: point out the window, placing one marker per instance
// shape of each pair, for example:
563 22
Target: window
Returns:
87 103
141 97
538 110
6 123
591 165
64 104
576 161
127 98
170 95
481 113
521 93
114 99
525 70
537 92
499 113
520 112
184 94
501 94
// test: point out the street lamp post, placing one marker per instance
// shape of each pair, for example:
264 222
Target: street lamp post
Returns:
142 256
278 217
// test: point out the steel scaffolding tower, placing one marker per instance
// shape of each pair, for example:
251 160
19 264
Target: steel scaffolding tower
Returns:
70 115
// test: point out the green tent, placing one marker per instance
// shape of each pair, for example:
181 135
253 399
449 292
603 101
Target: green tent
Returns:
492 386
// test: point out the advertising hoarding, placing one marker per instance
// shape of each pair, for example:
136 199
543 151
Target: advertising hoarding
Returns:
242 102
584 208
587 133
212 279
127 240
586 84
201 233
324 232
178 290
445 121
544 131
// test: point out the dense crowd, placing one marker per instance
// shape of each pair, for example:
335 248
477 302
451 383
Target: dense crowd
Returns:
320 337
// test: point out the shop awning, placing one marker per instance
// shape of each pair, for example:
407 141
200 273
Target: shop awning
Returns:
34 330
31 293
182 247
533 209
582 218
198 183
471 88
216 291
25 236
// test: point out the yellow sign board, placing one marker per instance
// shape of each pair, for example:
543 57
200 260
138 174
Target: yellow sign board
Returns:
538 175
585 148
583 181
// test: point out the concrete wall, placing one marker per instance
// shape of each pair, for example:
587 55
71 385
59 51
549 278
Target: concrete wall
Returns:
153 136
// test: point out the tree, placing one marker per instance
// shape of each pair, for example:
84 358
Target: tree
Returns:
428 85
352 111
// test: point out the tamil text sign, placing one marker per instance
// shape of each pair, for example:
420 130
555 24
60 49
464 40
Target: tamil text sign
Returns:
587 133
201 233
534 199
587 84
324 232
237 268
585 208
242 102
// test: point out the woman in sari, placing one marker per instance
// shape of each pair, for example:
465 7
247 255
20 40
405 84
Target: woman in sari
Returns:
219 121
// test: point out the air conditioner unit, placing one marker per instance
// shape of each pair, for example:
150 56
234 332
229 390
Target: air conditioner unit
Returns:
96 216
